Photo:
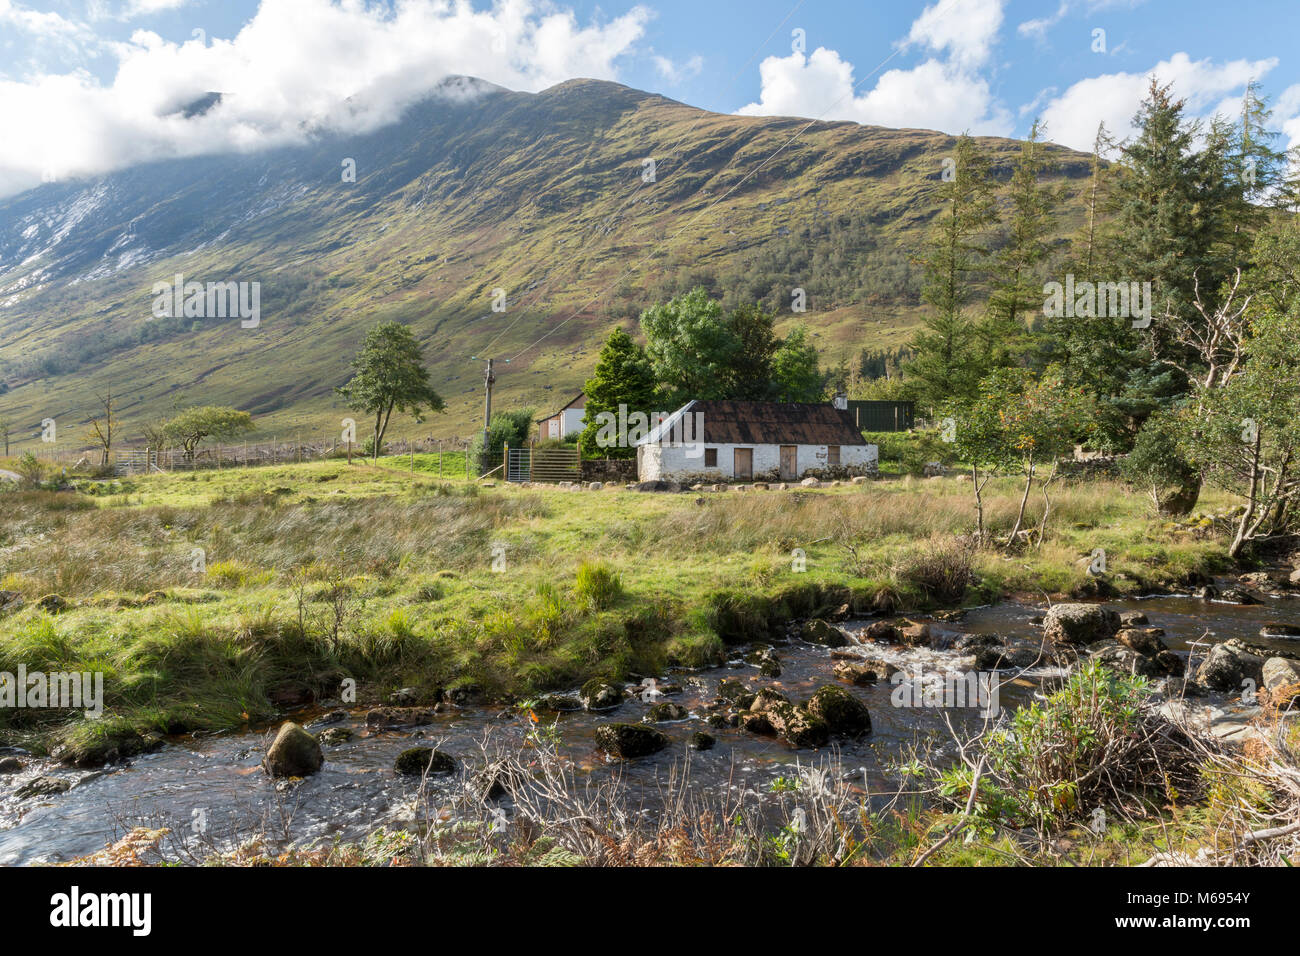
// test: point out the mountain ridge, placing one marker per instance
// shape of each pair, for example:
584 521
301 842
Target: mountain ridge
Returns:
475 188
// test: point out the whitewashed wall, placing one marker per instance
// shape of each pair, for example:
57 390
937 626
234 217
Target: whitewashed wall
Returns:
669 463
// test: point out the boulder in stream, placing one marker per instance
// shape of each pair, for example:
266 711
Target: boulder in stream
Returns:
630 741
1227 666
43 787
294 753
1282 679
822 633
1079 623
417 761
842 712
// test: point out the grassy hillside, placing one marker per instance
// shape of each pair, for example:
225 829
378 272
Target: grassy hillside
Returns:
538 194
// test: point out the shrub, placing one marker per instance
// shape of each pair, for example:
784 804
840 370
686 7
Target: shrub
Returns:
1157 466
1093 744
941 569
597 585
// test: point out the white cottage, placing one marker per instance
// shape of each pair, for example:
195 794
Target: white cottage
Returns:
754 441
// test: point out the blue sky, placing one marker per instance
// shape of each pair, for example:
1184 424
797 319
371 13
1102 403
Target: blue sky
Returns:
92 85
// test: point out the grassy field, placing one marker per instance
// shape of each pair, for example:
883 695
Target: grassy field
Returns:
211 599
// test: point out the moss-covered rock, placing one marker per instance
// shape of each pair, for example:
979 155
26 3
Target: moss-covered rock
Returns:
335 735
822 633
1079 623
417 761
43 787
10 765
599 695
665 711
702 741
630 741
797 726
841 711
294 753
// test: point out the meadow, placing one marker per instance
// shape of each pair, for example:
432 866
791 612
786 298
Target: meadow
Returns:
215 599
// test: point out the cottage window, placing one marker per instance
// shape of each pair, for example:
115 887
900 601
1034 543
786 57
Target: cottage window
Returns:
832 454
710 458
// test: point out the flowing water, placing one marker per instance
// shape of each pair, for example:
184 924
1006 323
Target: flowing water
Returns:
215 781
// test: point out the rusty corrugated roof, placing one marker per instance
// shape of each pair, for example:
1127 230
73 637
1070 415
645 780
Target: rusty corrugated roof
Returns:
773 423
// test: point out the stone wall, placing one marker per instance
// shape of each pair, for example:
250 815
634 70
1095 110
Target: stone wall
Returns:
609 470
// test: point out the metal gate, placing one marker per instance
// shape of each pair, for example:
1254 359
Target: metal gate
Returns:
556 464
543 464
519 465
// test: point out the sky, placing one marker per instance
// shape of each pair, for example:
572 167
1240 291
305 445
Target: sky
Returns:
89 86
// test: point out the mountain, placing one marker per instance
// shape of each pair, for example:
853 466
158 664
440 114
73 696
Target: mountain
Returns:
476 188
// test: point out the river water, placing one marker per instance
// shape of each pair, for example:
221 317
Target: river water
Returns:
214 783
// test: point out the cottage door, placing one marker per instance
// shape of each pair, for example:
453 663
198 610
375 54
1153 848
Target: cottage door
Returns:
789 462
744 464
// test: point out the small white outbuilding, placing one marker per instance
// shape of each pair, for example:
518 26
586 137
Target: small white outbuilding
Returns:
710 441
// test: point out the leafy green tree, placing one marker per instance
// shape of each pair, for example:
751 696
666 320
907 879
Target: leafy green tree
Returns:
1024 422
688 343
1017 284
748 375
193 426
1247 439
623 376
389 375
1158 466
944 364
506 428
796 374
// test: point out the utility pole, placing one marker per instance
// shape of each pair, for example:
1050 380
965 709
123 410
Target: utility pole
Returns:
489 379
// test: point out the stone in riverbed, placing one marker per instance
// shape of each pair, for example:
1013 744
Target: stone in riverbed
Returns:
417 761
665 711
702 741
915 635
399 717
1145 640
1079 623
882 631
998 658
1274 629
1225 668
1132 619
1282 679
10 765
630 741
335 735
294 753
842 712
860 672
43 787
598 695
797 726
820 632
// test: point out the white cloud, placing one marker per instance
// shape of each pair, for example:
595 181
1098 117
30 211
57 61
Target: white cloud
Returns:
1038 28
35 22
1114 98
944 94
296 66
130 10
674 73
964 29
